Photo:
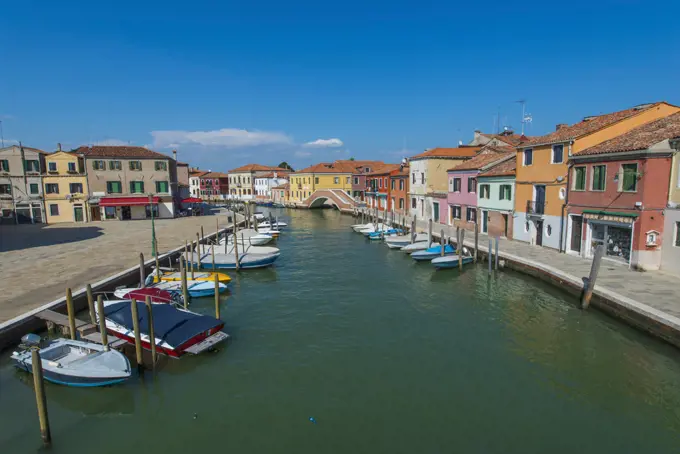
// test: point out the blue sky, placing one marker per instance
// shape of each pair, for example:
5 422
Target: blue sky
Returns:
228 83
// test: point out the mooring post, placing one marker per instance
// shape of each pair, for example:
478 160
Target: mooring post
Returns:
90 304
476 234
461 240
202 240
71 314
496 254
152 337
186 253
212 253
135 329
590 284
198 248
443 246
236 257
217 295
217 229
41 401
158 265
142 277
490 255
429 233
413 229
193 257
102 321
185 287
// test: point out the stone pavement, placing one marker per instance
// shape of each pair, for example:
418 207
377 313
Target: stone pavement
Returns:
38 262
652 288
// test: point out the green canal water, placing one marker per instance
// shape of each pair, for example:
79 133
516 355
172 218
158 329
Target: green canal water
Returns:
388 356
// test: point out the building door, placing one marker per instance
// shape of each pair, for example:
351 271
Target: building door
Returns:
126 213
485 221
576 233
37 215
435 210
505 225
539 233
95 213
78 213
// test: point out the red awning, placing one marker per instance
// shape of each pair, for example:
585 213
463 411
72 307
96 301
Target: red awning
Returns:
192 200
122 201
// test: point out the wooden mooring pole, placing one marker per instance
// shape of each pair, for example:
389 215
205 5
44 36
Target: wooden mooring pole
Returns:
590 284
71 314
138 336
413 229
142 277
443 243
102 321
41 401
429 233
496 254
202 239
183 277
490 255
477 235
212 254
236 258
152 337
217 295
90 304
461 241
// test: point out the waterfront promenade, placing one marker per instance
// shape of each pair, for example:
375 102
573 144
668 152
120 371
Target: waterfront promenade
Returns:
38 262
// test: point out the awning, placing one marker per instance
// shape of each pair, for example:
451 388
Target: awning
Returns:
192 200
125 201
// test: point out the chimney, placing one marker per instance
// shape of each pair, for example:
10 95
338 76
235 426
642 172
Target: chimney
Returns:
477 134
174 155
58 147
560 126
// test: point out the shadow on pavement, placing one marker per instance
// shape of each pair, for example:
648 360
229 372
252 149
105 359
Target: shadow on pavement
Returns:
16 237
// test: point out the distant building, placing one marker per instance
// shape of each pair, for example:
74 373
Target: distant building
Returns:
21 193
359 185
379 190
66 189
183 188
242 180
195 182
335 175
280 193
496 206
399 189
214 186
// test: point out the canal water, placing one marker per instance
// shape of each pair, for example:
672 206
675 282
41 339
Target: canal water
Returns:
385 356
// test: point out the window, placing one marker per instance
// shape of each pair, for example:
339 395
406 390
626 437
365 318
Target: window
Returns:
413 203
72 167
484 191
455 209
401 185
528 157
52 188
393 184
456 185
110 212
629 180
505 192
51 166
98 165
137 187
54 209
472 184
162 186
599 177
356 180
4 165
579 179
114 187
160 165
148 209
401 204
336 180
380 182
347 180
75 188
677 234
6 189
471 215
557 154
135 165
413 179
34 188
32 166
422 177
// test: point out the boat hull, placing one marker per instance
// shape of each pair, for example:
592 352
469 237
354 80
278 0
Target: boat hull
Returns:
418 246
450 261
68 380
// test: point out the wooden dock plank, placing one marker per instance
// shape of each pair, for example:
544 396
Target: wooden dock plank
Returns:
62 320
97 338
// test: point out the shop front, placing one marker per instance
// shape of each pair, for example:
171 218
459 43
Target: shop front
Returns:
128 208
612 230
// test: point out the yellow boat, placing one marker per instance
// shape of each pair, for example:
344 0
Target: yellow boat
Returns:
198 276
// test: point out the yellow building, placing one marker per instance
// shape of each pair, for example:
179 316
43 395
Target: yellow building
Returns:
333 175
65 188
542 172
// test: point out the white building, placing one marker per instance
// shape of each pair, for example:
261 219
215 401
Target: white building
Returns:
195 182
264 184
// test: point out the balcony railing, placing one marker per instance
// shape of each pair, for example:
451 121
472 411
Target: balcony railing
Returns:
534 207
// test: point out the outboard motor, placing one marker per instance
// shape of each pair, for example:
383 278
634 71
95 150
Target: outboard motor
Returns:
31 340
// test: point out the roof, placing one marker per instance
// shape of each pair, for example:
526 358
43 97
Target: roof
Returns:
282 186
404 172
257 168
486 157
504 169
588 125
182 164
384 169
214 175
460 152
271 175
108 151
340 166
510 139
25 148
640 138
197 173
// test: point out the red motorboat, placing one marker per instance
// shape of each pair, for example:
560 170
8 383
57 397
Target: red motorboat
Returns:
140 294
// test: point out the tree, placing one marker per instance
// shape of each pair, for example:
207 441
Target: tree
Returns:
351 159
285 165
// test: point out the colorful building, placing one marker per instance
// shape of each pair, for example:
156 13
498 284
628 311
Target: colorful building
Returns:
183 188
213 185
541 178
21 187
359 185
428 186
464 191
335 175
280 193
379 192
195 182
618 196
66 189
497 210
242 180
399 189
265 183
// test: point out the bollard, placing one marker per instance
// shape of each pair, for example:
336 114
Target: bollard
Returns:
142 278
152 337
185 288
102 321
496 254
41 401
138 336
71 314
461 240
238 265
217 296
590 284
429 233
90 304
490 255
476 234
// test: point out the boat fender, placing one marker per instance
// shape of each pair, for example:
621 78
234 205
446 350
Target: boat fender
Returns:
466 251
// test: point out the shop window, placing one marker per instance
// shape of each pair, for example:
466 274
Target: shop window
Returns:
109 212
54 209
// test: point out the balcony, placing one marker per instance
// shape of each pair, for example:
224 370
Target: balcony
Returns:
535 208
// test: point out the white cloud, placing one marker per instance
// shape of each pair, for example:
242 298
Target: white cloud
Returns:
302 154
324 143
226 137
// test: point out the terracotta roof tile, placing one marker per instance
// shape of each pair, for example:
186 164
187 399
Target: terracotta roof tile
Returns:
107 151
504 169
340 166
256 168
384 169
489 155
510 139
197 173
460 152
588 125
214 175
283 186
640 138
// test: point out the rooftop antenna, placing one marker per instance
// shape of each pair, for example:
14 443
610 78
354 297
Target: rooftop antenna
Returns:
526 117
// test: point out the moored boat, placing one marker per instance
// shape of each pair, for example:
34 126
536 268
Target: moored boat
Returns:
419 246
432 252
400 241
246 260
278 225
249 237
450 261
197 276
158 295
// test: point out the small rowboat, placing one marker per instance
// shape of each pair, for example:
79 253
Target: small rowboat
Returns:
450 261
74 363
418 246
197 276
433 252
400 241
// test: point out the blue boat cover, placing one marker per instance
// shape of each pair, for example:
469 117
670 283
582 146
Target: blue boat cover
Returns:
169 324
448 249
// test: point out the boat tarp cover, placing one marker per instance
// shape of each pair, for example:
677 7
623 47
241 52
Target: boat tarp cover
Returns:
171 325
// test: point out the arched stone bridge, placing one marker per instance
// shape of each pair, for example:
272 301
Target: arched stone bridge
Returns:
339 199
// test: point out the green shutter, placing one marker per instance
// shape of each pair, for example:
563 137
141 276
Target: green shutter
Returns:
629 177
580 183
5 165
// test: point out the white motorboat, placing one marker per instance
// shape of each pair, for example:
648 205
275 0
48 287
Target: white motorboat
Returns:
370 227
418 246
400 241
220 249
278 225
249 237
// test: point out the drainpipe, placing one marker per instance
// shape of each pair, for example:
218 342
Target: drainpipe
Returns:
563 240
